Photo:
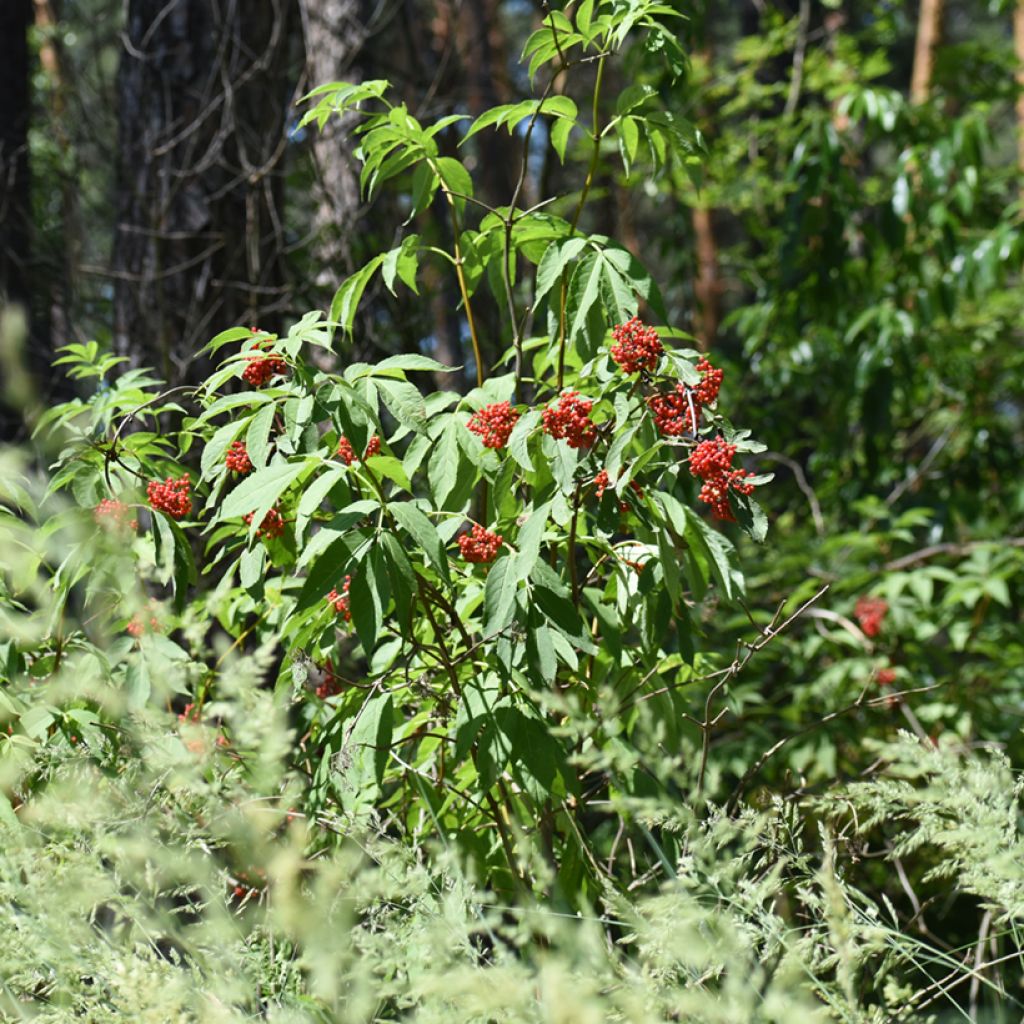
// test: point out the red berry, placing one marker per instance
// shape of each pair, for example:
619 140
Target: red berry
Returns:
870 612
171 496
272 525
340 601
569 420
479 545
493 424
886 676
372 448
237 458
601 483
328 687
636 347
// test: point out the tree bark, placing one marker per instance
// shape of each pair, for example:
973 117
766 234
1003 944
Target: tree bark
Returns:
335 33
1018 49
15 191
929 26
203 92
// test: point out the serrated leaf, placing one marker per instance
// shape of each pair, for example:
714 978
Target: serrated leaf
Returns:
423 531
258 492
500 594
404 402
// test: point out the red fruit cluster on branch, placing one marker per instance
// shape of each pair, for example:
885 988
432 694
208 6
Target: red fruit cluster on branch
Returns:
870 613
711 461
237 458
678 412
706 392
636 347
347 453
260 368
114 514
479 545
493 424
272 525
329 686
340 601
569 420
172 496
886 676
602 482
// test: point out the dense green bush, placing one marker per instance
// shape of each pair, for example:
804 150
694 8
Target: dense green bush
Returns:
408 704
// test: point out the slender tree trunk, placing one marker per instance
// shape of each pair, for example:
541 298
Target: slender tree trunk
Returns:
15 193
203 91
63 266
929 27
1018 48
706 286
335 32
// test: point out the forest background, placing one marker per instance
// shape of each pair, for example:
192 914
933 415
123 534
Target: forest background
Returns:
806 804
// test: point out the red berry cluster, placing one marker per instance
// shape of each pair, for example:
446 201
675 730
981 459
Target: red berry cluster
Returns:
479 545
493 423
676 413
114 514
347 453
569 420
602 482
272 525
137 626
711 461
172 496
237 458
329 686
190 713
636 347
340 601
870 612
706 392
886 676
260 368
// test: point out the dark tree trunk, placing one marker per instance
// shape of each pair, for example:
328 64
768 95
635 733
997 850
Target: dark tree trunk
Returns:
15 196
204 92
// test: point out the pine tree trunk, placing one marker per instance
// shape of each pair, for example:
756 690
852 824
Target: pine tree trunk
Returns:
203 93
929 26
335 33
1018 48
15 194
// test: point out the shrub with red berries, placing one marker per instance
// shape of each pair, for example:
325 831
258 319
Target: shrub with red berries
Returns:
568 420
340 601
479 545
636 347
272 525
114 514
870 613
171 496
237 458
493 424
711 461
